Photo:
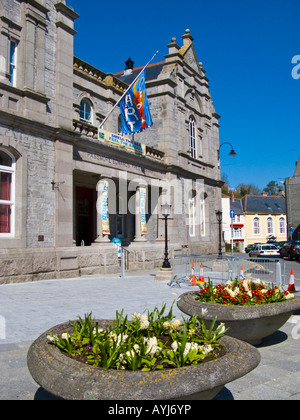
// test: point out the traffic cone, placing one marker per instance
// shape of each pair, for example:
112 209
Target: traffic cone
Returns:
192 276
291 287
242 273
201 276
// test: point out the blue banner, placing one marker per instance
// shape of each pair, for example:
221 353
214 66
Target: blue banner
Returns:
135 112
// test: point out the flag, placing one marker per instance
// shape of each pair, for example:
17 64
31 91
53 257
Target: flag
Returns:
135 112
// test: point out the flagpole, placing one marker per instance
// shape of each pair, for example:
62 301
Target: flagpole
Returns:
114 107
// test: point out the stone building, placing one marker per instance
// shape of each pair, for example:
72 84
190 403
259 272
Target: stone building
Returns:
55 163
292 189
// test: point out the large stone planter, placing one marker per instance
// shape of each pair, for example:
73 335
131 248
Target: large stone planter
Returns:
68 379
248 323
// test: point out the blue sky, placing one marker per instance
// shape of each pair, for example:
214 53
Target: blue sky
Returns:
245 46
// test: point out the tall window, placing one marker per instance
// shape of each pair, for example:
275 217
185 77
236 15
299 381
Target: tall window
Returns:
270 226
256 226
192 214
13 63
192 133
7 177
282 226
86 111
202 215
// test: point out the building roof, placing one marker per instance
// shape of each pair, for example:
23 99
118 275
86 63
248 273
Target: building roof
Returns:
152 72
236 205
264 204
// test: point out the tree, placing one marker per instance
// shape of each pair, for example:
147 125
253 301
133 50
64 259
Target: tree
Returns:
273 188
244 189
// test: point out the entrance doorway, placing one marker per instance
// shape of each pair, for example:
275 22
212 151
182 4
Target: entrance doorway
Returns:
85 216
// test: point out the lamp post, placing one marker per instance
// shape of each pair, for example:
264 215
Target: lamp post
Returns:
232 152
166 210
219 218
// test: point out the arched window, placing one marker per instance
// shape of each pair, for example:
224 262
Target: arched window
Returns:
282 226
256 226
7 193
86 111
270 226
192 134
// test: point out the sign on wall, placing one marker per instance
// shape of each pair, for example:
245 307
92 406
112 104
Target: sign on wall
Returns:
121 142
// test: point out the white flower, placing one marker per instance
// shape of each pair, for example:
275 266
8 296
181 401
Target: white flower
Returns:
290 296
174 346
65 336
152 345
204 311
246 284
187 349
167 325
144 322
99 330
221 328
52 339
136 316
176 323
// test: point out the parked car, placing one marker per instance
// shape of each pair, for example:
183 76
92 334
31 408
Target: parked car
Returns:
249 248
265 250
278 244
291 250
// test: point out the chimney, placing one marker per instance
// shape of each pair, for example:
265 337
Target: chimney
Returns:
129 67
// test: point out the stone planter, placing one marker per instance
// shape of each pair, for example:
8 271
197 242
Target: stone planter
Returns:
68 379
248 323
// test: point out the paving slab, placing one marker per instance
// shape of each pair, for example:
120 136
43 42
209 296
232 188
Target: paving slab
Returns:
29 309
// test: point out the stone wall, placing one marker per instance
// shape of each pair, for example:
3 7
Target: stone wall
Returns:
34 264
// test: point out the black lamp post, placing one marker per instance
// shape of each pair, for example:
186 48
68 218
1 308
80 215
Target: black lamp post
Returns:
232 152
166 210
219 218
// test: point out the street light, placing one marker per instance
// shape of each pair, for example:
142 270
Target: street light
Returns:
166 211
219 218
232 152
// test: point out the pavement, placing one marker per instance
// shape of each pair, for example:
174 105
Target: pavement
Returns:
29 309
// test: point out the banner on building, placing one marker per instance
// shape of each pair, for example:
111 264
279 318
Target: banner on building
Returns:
104 209
143 194
122 142
134 107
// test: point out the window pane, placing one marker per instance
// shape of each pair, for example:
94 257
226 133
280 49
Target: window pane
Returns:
5 213
85 111
5 160
5 186
12 63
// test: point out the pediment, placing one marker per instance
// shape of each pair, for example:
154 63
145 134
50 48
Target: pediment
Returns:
190 58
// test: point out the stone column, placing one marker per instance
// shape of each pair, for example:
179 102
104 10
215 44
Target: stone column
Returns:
63 190
64 65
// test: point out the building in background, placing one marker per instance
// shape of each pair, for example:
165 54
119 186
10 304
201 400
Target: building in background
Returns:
68 188
258 218
292 189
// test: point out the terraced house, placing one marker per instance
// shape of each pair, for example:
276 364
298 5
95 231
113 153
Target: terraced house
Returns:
67 187
258 218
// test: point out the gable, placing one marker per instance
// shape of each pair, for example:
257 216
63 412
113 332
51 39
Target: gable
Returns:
190 57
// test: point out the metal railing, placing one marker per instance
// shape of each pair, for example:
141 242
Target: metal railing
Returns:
220 269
